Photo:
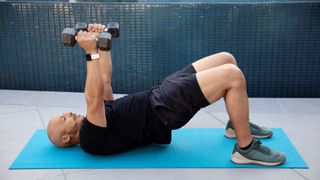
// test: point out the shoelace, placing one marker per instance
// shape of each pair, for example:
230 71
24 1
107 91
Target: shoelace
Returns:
262 148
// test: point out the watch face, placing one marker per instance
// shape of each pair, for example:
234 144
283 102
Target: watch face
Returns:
95 56
90 57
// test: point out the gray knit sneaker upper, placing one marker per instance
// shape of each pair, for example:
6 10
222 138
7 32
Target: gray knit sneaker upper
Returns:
256 131
257 154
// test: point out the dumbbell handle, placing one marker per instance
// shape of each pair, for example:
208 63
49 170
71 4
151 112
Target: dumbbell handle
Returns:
105 30
112 28
103 40
76 37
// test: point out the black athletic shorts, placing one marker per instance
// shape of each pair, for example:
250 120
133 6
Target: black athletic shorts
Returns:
177 98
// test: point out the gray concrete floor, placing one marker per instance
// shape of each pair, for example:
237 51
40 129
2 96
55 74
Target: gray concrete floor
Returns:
22 112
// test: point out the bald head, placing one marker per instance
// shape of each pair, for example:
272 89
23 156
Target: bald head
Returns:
55 131
63 130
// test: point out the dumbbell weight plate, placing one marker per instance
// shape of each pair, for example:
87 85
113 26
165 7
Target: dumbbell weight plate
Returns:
113 29
81 26
104 41
68 36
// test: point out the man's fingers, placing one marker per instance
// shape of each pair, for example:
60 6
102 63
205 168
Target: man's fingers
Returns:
103 27
82 32
82 35
79 35
94 27
98 28
90 27
91 35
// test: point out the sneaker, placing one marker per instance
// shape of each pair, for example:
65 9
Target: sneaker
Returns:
256 131
257 154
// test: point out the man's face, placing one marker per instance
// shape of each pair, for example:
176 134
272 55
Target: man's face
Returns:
67 122
64 124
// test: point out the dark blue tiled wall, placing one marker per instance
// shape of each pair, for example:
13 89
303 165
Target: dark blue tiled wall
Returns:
277 45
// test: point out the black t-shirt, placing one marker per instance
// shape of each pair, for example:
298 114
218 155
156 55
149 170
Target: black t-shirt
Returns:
130 122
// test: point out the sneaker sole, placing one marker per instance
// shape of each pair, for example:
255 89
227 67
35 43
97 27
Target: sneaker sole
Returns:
239 159
230 133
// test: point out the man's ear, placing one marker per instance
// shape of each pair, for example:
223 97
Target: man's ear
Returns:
65 139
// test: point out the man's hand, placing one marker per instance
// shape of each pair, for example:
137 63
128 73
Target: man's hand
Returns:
96 29
87 41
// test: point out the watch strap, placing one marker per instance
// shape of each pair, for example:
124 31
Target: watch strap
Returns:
90 57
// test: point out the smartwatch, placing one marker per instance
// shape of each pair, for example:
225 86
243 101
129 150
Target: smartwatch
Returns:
90 57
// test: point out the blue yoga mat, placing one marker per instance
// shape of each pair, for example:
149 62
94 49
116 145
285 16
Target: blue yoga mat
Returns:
190 148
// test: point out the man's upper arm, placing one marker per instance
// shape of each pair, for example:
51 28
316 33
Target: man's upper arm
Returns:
96 113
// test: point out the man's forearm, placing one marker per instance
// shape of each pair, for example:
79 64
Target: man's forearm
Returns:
94 83
106 74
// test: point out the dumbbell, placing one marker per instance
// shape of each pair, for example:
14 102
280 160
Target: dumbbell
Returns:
68 35
104 38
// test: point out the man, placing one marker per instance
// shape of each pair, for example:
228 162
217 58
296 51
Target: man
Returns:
113 126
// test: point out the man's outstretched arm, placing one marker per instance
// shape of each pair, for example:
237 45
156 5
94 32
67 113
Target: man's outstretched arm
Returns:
105 63
106 74
94 88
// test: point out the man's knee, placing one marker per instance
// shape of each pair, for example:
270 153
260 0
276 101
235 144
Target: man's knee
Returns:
228 58
234 75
